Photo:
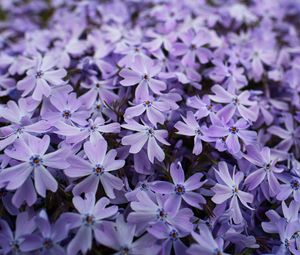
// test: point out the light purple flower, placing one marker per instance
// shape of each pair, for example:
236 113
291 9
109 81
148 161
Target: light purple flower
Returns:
141 73
181 189
228 188
190 127
92 131
145 134
41 77
96 169
31 152
267 169
240 103
91 215
206 244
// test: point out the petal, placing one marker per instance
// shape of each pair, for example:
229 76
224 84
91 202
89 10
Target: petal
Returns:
89 184
232 142
130 77
177 173
154 151
162 187
96 152
86 205
43 181
137 141
256 178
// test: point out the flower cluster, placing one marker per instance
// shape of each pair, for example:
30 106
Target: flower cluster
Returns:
150 127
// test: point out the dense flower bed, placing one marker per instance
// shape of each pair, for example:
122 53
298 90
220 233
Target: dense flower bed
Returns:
150 127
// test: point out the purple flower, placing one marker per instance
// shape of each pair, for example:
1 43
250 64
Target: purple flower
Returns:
192 47
141 72
93 131
31 151
289 136
228 188
120 237
48 239
145 134
240 103
190 127
149 210
91 215
206 244
181 189
67 108
40 77
267 169
15 242
231 133
170 238
154 109
96 169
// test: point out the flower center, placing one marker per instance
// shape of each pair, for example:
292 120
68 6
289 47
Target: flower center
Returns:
66 114
268 167
233 130
150 132
125 251
161 215
197 131
146 77
235 190
295 185
48 243
193 47
98 169
147 103
173 234
217 252
39 74
286 243
209 107
36 160
89 220
235 101
179 189
15 246
144 186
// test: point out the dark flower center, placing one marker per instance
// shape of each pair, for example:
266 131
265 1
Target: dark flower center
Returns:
295 185
268 167
66 114
193 47
98 170
39 74
209 107
173 234
235 101
233 130
235 190
15 246
48 243
89 220
179 189
197 131
217 252
150 132
161 214
147 103
144 186
286 243
146 77
125 251
36 160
